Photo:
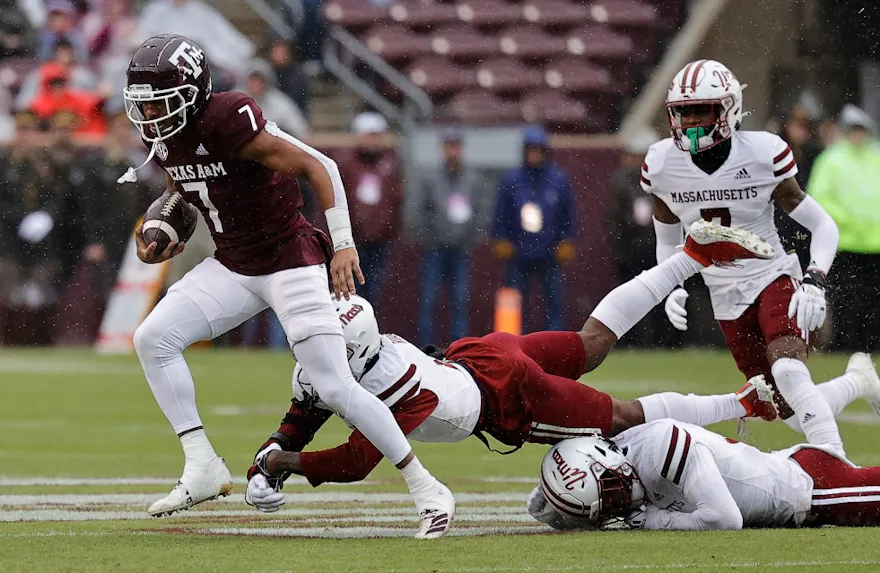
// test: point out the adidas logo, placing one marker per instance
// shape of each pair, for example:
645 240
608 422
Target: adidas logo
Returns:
807 418
201 150
742 174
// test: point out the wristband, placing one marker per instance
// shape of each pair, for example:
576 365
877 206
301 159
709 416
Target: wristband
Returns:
339 225
816 278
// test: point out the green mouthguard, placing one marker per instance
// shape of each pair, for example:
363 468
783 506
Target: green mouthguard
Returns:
694 134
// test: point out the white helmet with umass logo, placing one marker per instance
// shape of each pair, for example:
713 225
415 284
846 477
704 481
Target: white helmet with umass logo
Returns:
170 75
590 482
710 89
361 331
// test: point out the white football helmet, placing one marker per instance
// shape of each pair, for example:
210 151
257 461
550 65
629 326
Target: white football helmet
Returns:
360 329
590 482
705 83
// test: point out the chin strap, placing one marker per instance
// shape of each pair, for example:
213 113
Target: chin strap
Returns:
694 134
130 176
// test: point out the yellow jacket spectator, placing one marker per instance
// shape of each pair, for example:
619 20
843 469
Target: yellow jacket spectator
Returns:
846 181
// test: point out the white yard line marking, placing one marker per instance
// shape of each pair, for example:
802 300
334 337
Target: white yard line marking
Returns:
400 515
161 481
65 366
28 500
654 566
357 532
63 481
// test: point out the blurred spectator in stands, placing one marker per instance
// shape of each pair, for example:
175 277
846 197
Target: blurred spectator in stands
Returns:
108 210
229 50
260 84
797 131
846 182
61 24
79 77
311 40
14 171
56 96
17 35
375 197
33 202
533 225
631 232
7 122
452 205
290 78
109 30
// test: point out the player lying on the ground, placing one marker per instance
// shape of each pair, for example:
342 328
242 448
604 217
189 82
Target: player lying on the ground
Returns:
515 389
240 170
710 170
672 475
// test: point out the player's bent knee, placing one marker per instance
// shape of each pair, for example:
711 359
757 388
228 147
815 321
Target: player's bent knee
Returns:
153 339
787 347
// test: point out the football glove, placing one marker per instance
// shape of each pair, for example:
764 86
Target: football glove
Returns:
636 518
675 310
262 496
808 303
544 512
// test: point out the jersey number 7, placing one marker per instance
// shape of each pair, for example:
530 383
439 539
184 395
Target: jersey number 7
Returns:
720 216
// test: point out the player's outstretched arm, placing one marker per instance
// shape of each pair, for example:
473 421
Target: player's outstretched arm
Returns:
808 303
284 153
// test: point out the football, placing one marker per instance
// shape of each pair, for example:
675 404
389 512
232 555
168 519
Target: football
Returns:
170 219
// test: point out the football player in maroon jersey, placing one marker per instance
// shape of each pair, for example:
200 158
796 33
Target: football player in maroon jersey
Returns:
240 170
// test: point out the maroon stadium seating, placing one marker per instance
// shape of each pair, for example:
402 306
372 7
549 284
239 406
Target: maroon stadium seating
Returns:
555 110
488 14
530 43
422 14
480 107
464 42
555 14
439 76
396 43
562 62
354 15
507 75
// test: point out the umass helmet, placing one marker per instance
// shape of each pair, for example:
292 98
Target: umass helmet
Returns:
171 71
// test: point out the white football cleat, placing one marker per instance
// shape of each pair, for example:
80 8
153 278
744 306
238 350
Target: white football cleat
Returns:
199 482
869 388
710 243
436 511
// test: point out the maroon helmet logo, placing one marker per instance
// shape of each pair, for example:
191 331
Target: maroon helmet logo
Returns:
570 476
347 317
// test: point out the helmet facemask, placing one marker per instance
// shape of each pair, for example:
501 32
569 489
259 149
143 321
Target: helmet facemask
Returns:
172 118
705 134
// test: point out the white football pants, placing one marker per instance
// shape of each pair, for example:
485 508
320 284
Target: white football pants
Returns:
211 300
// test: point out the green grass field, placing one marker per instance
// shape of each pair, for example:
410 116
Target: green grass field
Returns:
85 450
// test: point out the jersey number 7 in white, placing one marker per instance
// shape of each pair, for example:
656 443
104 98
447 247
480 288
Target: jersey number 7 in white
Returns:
247 109
201 188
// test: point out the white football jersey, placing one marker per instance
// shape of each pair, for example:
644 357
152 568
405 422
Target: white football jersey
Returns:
401 372
675 463
738 194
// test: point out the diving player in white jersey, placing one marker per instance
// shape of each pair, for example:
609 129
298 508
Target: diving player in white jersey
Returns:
709 170
672 475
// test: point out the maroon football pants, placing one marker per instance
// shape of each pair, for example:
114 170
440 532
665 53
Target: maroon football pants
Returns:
842 495
530 388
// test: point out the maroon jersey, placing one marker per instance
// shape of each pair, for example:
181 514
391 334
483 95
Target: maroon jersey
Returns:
253 212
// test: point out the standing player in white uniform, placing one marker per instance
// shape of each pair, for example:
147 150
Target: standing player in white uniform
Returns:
709 170
671 475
